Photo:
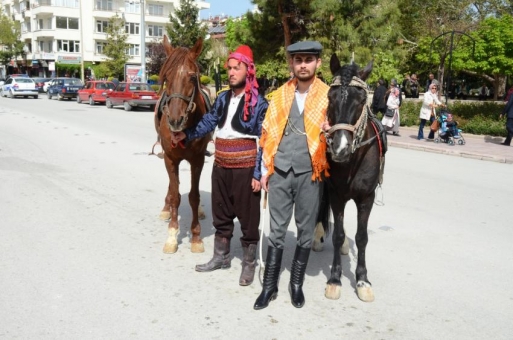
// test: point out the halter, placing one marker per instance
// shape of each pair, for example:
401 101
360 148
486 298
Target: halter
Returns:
357 129
191 105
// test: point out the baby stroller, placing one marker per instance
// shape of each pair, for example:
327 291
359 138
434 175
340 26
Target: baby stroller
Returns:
448 131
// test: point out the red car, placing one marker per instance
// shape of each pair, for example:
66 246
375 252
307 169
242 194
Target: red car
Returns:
95 91
132 95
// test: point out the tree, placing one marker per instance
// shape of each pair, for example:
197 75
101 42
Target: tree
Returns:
184 30
10 34
116 49
157 56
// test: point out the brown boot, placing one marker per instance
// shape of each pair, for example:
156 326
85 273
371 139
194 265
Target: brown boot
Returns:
221 258
248 265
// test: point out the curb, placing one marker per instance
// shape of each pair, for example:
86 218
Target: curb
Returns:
465 154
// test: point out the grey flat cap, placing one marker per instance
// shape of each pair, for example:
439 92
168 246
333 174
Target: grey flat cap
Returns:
305 47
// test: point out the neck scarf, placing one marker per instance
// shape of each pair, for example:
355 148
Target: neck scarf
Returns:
316 106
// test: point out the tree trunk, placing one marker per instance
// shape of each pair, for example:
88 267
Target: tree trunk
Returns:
285 22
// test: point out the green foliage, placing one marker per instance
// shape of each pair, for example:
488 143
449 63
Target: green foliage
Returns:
385 66
115 49
71 70
480 118
205 80
10 38
154 77
155 87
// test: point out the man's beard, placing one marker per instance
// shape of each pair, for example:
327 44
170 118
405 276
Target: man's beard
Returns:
304 77
239 85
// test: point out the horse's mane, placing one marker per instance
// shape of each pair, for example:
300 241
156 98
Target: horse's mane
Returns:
179 56
347 72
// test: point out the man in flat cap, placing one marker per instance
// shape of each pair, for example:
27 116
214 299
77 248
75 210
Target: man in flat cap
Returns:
293 163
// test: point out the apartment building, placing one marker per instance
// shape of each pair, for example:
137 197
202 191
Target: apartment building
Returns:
66 31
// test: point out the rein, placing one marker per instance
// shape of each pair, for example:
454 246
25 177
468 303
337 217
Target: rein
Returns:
358 129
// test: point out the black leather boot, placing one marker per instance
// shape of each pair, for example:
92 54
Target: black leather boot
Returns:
248 265
221 258
271 276
297 276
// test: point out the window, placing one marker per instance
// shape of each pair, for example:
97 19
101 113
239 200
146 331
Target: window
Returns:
132 28
101 26
67 23
104 5
100 46
156 10
68 45
134 7
41 46
155 31
66 3
133 50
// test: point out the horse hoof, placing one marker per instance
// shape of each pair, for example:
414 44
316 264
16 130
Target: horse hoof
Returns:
170 248
364 291
317 246
332 292
344 250
201 213
165 215
197 247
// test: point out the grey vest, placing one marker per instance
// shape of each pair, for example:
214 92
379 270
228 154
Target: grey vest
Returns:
293 148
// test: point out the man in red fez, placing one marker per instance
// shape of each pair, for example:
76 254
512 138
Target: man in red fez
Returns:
238 114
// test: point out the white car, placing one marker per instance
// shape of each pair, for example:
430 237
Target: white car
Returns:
19 87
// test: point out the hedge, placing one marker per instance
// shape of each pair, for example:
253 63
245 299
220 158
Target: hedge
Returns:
479 118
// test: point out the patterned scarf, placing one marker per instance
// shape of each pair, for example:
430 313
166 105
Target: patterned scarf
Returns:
251 89
314 114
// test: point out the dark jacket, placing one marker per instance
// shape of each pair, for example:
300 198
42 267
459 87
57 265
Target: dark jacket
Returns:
508 109
217 117
378 99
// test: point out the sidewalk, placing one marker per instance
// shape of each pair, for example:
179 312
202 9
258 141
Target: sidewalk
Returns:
476 146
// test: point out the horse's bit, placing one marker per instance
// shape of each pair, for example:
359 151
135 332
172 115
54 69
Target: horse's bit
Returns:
358 129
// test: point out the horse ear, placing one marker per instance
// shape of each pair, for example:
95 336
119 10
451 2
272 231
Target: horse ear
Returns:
334 64
167 46
196 49
366 71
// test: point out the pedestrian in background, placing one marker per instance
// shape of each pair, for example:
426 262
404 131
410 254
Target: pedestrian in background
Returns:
238 114
378 98
508 111
294 161
427 111
391 119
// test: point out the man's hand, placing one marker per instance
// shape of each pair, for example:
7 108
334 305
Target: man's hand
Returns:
325 126
264 181
255 185
176 137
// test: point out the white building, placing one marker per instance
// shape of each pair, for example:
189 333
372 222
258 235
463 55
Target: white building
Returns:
66 31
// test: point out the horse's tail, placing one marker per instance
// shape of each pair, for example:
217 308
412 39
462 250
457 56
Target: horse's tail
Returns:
324 209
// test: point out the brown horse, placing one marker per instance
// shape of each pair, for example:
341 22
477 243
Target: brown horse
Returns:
181 106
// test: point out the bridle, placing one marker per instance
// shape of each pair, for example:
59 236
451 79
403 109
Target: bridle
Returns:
358 129
191 105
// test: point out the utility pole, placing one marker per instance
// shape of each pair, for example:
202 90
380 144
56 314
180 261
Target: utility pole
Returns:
143 44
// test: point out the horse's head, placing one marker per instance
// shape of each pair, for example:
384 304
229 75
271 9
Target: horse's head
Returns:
347 108
180 89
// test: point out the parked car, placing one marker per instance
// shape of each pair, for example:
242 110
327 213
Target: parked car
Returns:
19 87
40 82
95 91
132 95
64 88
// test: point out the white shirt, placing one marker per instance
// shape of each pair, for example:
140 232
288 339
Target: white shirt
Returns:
227 132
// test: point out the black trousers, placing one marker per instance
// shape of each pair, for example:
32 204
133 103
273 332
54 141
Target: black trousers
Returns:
232 197
509 128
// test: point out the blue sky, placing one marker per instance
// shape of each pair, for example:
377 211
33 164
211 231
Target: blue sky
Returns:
228 7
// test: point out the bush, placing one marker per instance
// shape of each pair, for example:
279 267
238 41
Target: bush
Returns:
154 77
480 118
205 80
155 87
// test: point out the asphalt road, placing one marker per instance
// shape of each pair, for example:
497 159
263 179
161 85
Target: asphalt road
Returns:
81 244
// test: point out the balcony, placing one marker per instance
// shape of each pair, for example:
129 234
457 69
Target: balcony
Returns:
44 6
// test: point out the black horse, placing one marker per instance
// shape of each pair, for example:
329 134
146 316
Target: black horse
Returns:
357 144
